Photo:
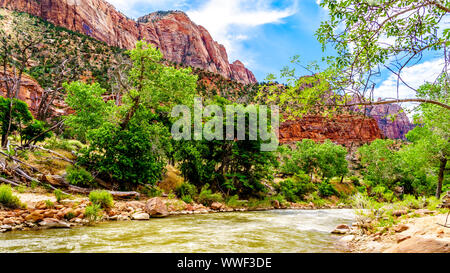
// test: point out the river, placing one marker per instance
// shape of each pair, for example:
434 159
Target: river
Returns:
260 231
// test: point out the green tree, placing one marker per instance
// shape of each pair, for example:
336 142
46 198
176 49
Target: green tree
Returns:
327 159
430 149
91 111
232 167
14 114
129 144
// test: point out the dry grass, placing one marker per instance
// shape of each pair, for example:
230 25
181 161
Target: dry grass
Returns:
172 179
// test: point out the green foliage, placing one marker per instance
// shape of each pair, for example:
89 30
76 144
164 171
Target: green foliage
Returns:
206 197
234 202
186 192
35 131
20 115
382 164
153 191
91 110
102 198
326 189
59 195
7 198
64 144
295 188
327 159
79 176
130 143
92 212
49 204
234 167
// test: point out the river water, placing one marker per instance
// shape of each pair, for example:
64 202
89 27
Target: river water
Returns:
261 231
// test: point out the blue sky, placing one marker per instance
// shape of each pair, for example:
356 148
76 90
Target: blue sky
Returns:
265 34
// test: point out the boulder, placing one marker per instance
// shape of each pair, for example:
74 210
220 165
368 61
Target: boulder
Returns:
341 229
140 216
53 223
401 228
155 207
35 216
216 206
399 212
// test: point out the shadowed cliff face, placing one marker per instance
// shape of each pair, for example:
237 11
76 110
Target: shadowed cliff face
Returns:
178 38
395 128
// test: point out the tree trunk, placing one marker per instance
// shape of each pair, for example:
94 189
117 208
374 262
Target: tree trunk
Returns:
441 177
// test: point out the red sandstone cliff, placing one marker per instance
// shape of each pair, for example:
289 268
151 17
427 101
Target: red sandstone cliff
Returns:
346 130
178 38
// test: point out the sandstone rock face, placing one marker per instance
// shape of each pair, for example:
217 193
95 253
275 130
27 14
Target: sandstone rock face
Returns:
396 128
178 38
346 130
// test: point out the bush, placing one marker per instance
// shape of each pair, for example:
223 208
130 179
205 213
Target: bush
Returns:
102 198
186 189
206 197
355 180
92 212
7 198
60 195
49 204
293 189
326 189
187 199
78 176
153 191
234 202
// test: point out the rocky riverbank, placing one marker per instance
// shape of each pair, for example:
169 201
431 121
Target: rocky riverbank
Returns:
43 211
421 231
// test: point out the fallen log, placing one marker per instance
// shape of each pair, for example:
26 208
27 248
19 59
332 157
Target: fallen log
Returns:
20 161
59 156
26 176
115 194
14 183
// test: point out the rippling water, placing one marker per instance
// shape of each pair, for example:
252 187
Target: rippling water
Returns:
264 231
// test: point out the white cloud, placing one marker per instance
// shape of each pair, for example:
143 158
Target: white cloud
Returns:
231 22
414 76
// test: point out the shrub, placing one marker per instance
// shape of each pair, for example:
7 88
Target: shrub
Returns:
153 191
293 189
206 197
60 195
186 189
355 180
49 204
78 176
7 198
187 199
92 212
102 198
326 189
234 202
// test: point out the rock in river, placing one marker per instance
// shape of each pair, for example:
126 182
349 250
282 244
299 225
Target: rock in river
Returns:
155 207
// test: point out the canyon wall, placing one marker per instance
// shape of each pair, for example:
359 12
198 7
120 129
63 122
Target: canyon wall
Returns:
178 38
347 130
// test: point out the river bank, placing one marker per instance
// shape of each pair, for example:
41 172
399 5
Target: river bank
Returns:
420 231
43 211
